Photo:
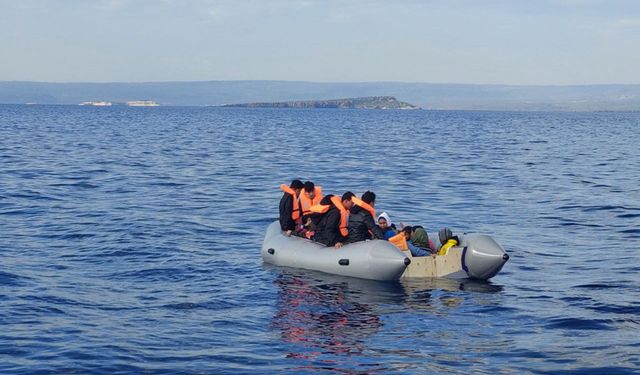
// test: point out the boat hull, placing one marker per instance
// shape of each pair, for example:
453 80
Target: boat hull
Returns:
374 260
477 257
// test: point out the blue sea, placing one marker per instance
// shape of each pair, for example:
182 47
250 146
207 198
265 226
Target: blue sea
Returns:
130 241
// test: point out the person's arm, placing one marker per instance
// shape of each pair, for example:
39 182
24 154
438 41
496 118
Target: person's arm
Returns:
371 225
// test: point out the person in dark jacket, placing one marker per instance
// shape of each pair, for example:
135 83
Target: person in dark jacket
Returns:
290 207
361 221
328 228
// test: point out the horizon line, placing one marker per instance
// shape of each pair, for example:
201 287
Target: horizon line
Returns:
326 82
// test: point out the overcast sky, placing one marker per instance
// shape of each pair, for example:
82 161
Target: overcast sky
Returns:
446 41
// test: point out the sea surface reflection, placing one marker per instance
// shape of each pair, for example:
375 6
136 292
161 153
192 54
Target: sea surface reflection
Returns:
130 241
324 318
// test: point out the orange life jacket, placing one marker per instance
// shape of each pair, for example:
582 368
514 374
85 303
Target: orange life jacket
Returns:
399 241
295 214
306 203
344 213
362 204
319 208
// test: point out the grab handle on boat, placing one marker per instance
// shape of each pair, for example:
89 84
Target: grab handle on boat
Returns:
343 262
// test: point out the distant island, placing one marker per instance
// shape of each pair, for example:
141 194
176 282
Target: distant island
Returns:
425 95
369 102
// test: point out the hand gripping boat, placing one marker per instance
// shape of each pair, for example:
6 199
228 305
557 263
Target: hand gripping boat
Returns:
477 257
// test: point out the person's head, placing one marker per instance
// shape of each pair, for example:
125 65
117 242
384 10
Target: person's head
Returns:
384 221
419 236
444 235
296 185
326 200
310 189
369 197
346 200
407 232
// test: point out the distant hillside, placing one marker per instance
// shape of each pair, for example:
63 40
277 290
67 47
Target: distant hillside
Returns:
370 102
425 95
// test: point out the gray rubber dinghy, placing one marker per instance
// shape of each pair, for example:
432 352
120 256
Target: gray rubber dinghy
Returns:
478 256
374 260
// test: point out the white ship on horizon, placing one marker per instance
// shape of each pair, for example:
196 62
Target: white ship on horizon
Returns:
97 104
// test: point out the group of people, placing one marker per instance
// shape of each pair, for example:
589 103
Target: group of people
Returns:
337 220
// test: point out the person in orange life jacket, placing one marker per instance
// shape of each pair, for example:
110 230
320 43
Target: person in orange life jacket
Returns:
362 223
290 206
310 196
332 224
406 233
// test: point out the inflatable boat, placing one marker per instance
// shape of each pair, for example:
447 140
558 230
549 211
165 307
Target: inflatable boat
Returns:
374 260
477 257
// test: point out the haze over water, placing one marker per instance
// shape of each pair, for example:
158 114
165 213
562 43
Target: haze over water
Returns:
130 241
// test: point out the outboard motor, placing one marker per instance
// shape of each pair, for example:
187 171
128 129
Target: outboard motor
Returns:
482 257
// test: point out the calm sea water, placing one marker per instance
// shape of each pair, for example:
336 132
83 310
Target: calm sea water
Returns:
130 241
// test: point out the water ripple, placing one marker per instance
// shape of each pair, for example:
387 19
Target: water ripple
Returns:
130 241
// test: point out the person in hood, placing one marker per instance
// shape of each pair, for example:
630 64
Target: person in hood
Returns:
420 238
384 222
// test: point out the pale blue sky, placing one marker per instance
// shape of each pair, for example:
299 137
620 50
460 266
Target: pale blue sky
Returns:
446 41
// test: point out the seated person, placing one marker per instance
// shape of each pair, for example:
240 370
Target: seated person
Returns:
361 219
309 226
402 241
289 207
447 239
384 222
420 238
331 228
310 195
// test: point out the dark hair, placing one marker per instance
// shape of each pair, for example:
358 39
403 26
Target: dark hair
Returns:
407 229
347 196
368 197
296 184
326 200
309 187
